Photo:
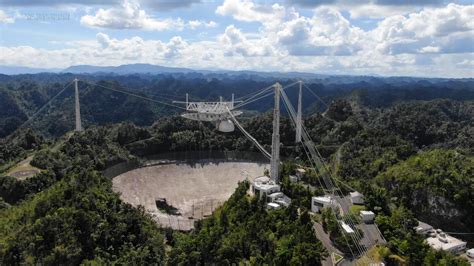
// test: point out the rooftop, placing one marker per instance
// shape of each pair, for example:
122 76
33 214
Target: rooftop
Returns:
264 183
356 194
324 199
347 228
423 227
273 205
367 213
444 241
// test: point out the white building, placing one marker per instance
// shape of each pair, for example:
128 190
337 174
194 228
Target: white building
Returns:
470 253
347 229
264 186
317 203
273 205
294 179
300 172
443 241
423 228
357 198
279 198
367 216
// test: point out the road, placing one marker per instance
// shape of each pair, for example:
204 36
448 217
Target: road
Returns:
327 243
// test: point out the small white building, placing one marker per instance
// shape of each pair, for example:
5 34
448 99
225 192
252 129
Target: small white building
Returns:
367 216
273 206
264 186
470 253
300 172
294 179
347 229
443 241
317 203
279 198
357 198
423 228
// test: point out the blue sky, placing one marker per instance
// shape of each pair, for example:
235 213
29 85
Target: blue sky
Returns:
410 38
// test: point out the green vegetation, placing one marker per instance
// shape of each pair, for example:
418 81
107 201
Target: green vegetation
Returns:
355 209
406 246
432 183
78 220
409 159
243 231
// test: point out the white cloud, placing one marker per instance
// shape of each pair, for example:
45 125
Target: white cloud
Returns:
5 19
326 33
155 4
129 16
374 11
434 41
447 29
237 44
246 10
194 24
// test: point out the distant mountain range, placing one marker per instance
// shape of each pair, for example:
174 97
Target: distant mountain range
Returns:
148 69
156 69
15 70
126 69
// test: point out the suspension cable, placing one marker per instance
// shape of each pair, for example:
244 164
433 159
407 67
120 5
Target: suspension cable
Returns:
41 108
315 95
260 147
252 94
357 237
136 95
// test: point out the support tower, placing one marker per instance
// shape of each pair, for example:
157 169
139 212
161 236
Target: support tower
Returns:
298 114
78 108
275 160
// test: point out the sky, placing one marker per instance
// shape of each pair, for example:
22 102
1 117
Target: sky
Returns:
429 38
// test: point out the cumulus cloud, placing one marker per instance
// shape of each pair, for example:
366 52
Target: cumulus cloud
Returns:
237 44
156 4
247 10
433 30
5 19
104 50
194 24
431 41
326 33
374 9
315 3
129 16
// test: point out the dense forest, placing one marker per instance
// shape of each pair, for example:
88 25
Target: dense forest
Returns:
408 145
22 95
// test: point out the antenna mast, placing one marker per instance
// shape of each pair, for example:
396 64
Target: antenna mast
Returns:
78 108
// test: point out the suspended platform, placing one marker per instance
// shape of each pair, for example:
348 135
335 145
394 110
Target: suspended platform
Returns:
217 112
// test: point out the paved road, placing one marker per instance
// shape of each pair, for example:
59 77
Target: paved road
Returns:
372 236
327 243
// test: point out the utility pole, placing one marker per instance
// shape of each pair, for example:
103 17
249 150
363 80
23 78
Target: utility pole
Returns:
78 108
298 114
275 160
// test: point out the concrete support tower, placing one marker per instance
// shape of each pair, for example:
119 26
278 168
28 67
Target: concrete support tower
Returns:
78 108
275 160
298 115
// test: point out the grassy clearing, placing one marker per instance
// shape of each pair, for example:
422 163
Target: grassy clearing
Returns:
355 209
24 169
